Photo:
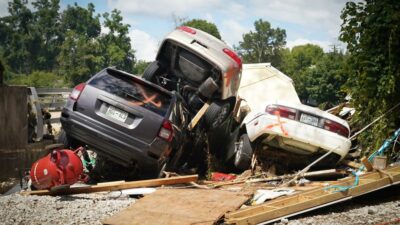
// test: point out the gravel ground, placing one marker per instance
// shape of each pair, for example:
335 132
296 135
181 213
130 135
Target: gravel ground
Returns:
74 209
375 208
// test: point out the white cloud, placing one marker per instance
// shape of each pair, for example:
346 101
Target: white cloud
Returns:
3 8
325 45
232 31
323 15
209 17
162 8
145 45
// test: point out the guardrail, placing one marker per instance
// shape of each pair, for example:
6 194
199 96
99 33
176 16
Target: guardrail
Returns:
52 99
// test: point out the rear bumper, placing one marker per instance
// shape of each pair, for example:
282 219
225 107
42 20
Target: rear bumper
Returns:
291 136
112 143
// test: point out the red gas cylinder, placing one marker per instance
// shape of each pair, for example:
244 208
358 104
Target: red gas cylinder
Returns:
57 168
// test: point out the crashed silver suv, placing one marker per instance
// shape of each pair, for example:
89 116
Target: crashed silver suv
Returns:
201 68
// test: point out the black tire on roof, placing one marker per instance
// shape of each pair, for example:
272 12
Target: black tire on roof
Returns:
151 70
216 114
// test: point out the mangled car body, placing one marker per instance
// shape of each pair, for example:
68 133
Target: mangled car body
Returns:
203 71
279 122
148 122
123 118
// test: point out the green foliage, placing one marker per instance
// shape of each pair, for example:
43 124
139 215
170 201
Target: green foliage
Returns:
116 45
203 25
38 79
82 21
262 45
67 43
317 75
371 30
79 57
140 66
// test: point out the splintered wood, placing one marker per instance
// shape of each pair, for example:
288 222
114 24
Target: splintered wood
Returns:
308 200
114 186
179 207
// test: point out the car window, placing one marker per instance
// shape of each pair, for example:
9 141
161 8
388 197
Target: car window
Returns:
136 94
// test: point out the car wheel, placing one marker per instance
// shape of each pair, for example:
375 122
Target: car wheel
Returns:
243 153
151 70
216 114
67 141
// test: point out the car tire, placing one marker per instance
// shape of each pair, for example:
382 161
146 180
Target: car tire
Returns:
243 153
151 70
67 141
216 114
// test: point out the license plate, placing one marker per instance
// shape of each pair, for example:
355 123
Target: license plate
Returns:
311 120
116 114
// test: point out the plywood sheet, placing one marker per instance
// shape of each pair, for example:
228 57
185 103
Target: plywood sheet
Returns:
179 207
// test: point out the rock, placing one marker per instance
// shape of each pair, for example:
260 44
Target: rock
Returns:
284 221
371 211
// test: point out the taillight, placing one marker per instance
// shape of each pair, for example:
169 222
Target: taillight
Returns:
281 111
166 132
77 91
187 29
233 55
336 128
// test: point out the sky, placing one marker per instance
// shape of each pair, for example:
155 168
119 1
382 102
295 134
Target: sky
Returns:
305 21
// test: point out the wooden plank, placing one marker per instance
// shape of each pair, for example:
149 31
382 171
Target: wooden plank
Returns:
13 117
198 116
367 163
311 199
112 186
180 207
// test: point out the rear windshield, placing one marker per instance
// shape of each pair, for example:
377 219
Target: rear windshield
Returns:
137 94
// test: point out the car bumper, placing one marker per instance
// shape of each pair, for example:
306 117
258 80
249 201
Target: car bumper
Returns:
114 144
291 136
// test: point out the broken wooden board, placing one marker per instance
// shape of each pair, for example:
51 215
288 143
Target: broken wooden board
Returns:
180 207
115 186
315 198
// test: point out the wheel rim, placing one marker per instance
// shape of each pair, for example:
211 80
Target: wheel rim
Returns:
239 151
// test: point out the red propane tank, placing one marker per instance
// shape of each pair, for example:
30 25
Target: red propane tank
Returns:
57 168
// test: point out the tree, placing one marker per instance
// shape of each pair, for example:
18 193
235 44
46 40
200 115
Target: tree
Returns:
79 58
323 81
116 44
262 45
46 29
82 21
140 66
15 30
203 25
371 30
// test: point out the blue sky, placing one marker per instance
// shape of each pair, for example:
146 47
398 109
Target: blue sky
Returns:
305 21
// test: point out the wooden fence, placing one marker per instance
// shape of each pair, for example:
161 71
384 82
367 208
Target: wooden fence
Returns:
13 117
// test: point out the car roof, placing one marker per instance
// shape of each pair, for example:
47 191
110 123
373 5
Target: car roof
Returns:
261 83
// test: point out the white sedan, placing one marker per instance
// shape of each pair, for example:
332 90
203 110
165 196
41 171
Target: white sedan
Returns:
278 119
